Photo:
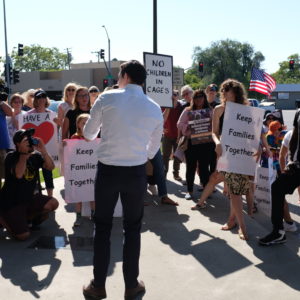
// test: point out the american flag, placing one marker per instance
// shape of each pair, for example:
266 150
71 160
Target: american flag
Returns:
262 82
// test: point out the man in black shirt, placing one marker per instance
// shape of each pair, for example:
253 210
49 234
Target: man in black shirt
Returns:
19 205
286 183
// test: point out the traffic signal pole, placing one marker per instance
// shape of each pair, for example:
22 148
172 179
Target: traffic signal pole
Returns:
154 26
7 58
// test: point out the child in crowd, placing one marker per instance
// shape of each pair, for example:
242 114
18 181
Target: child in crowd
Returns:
80 122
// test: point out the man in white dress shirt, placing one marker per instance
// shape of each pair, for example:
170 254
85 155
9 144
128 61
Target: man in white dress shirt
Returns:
131 129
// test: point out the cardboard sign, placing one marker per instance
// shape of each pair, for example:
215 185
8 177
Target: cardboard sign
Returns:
159 81
200 124
80 166
45 129
240 138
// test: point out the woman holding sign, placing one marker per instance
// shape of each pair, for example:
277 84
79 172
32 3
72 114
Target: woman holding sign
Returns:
238 184
195 125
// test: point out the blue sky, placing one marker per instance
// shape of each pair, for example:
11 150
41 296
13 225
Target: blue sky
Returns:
270 26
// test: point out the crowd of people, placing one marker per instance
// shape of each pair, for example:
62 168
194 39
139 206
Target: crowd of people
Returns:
157 136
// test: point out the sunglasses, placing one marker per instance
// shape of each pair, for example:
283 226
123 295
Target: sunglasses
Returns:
270 119
175 94
71 90
93 91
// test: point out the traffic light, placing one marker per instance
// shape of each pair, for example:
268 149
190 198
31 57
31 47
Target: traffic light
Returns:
292 64
10 75
102 53
20 50
105 83
200 67
16 76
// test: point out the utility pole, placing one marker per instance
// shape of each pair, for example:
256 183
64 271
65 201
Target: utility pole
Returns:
154 26
98 55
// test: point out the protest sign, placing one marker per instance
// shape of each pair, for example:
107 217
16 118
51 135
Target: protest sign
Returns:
240 138
200 124
80 166
159 81
45 129
264 178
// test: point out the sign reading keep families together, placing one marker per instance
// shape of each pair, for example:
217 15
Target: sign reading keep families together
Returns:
240 138
159 81
45 129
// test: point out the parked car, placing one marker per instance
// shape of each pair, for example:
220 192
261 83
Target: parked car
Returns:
253 102
267 106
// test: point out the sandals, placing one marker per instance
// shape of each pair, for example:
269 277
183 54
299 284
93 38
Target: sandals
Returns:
243 236
226 227
168 201
199 206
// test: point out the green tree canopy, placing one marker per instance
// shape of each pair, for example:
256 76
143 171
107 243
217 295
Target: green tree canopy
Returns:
38 58
223 59
284 74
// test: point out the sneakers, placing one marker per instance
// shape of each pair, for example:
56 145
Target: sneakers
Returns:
78 220
188 196
131 294
153 189
290 227
275 237
92 292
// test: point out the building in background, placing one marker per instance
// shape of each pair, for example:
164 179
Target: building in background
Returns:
286 96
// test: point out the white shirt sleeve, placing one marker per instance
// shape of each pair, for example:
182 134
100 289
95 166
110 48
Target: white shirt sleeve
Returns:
287 138
155 140
93 124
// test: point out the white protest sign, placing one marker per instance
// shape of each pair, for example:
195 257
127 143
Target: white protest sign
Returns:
240 138
178 76
45 129
159 81
80 166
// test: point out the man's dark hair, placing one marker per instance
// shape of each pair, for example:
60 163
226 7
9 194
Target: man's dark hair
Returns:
135 71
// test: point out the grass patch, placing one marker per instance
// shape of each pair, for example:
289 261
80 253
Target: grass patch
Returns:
55 173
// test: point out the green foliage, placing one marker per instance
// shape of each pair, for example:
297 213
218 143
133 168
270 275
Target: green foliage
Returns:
285 75
222 60
38 58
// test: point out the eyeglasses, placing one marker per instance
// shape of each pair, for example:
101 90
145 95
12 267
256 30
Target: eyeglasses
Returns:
93 91
175 94
270 119
82 95
71 90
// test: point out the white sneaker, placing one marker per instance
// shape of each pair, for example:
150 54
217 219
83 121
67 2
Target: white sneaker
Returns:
153 189
290 227
188 196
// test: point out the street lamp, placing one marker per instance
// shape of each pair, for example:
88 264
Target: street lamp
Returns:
109 65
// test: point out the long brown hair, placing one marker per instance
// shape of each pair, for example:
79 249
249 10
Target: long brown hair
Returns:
237 88
198 94
75 102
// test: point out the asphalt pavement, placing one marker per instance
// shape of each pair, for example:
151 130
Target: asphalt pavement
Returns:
184 255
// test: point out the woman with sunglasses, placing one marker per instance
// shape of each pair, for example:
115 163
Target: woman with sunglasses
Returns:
40 104
238 184
66 105
94 93
196 153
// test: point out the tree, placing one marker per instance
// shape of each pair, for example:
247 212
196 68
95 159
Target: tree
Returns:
224 59
284 74
38 58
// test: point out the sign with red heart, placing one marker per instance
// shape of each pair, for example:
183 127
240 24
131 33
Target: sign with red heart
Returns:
44 130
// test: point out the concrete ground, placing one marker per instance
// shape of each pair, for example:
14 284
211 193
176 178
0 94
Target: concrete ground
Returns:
184 255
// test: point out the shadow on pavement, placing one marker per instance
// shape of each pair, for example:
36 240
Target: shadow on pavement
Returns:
20 269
